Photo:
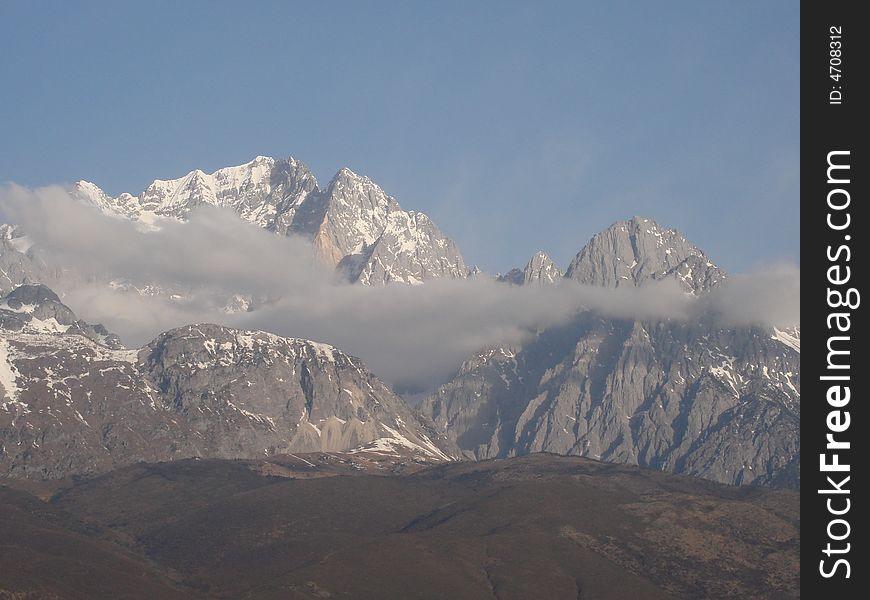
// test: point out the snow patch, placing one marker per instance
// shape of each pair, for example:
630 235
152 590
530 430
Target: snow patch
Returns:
787 338
8 373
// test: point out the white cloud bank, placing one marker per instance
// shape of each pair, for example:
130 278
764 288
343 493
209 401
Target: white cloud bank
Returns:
409 334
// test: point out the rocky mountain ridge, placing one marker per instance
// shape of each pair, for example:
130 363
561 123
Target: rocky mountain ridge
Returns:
539 270
632 253
352 222
698 398
74 401
723 404
640 251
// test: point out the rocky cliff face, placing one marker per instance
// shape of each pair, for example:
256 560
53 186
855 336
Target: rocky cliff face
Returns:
717 403
640 251
74 401
694 398
295 394
352 223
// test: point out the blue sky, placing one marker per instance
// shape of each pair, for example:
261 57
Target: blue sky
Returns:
516 126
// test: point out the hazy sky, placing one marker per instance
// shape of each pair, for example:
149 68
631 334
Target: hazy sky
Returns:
516 126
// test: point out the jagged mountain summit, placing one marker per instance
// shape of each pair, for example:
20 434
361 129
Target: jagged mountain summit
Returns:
539 270
697 397
628 253
265 192
639 251
352 223
74 401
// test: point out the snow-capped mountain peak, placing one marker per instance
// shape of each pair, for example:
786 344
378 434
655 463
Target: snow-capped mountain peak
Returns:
351 222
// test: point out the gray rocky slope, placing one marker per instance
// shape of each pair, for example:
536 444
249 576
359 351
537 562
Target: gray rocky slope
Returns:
694 398
639 251
74 401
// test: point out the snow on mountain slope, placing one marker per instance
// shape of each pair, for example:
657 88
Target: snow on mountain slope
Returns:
791 337
8 376
73 401
411 249
351 222
261 192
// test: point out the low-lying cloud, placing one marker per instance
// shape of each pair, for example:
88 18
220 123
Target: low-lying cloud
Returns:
406 334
